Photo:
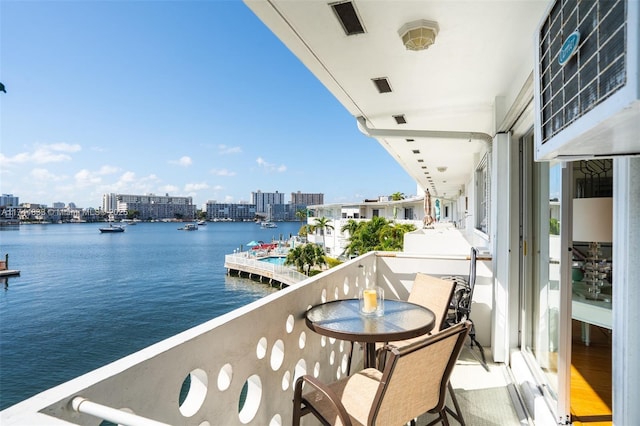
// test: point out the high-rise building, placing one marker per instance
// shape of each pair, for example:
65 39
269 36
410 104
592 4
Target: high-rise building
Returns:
269 204
150 206
8 200
230 211
306 199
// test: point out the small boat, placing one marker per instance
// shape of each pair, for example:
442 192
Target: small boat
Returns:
268 225
202 223
112 228
189 227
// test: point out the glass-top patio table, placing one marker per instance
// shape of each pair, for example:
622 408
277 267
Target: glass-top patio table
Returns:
342 319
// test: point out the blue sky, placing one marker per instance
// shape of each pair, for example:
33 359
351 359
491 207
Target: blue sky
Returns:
186 98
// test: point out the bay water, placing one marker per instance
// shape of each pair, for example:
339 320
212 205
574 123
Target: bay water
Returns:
84 299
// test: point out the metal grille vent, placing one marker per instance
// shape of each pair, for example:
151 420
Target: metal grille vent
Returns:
400 119
597 69
348 17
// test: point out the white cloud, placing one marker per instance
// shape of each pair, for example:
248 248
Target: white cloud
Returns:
127 177
108 170
195 186
224 149
222 172
270 167
170 189
44 175
86 178
42 154
183 161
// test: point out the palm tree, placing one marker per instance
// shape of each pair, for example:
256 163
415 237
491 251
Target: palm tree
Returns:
397 196
302 215
377 234
305 257
322 223
351 227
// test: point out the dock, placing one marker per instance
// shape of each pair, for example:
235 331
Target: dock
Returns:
243 265
4 268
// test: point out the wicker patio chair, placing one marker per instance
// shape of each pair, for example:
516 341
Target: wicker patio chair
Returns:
414 381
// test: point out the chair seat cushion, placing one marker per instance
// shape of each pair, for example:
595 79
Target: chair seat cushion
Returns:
356 394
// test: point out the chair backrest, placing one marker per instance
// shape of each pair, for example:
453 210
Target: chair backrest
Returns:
460 308
434 294
415 377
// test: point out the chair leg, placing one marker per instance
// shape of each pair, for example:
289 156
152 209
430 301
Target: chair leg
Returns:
472 337
458 413
350 359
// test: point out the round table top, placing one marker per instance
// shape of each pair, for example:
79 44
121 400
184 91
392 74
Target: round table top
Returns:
342 319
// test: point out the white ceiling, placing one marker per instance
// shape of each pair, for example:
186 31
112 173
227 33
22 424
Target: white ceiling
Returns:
484 51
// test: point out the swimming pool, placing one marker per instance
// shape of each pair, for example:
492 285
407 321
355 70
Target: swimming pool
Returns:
279 260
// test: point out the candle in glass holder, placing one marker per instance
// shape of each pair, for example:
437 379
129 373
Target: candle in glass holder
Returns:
370 300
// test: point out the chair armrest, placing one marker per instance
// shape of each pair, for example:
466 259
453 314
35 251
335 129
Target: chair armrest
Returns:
328 393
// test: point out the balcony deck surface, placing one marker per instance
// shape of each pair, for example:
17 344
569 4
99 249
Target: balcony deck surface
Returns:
483 396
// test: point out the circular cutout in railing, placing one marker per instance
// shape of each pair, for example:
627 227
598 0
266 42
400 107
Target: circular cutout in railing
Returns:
346 286
286 379
323 296
345 363
193 392
290 323
300 369
302 340
224 377
250 399
316 370
332 357
277 355
276 420
261 349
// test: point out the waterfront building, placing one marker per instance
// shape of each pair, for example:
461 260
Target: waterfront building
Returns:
110 203
149 206
409 210
306 199
299 201
230 211
8 200
506 129
269 205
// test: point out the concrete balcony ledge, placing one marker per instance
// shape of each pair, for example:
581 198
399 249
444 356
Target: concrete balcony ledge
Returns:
242 365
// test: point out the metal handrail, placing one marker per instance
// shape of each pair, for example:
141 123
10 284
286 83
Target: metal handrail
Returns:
83 405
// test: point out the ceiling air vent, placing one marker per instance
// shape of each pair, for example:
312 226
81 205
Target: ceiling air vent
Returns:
348 17
586 87
382 84
400 119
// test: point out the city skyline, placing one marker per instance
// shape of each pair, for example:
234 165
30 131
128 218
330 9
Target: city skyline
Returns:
192 99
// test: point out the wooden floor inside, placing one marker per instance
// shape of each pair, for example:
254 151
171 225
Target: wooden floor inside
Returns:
591 377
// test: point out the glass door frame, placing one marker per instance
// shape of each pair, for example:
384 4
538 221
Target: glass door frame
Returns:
534 215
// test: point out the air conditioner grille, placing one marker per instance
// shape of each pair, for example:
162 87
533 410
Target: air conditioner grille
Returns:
597 69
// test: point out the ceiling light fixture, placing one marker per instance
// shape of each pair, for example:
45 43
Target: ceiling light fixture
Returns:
418 35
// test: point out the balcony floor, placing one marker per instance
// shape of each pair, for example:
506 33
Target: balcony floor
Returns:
484 397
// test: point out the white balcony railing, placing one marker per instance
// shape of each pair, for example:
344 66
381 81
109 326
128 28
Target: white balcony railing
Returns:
241 366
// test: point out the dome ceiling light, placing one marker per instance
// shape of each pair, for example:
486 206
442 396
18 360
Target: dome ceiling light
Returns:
418 35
